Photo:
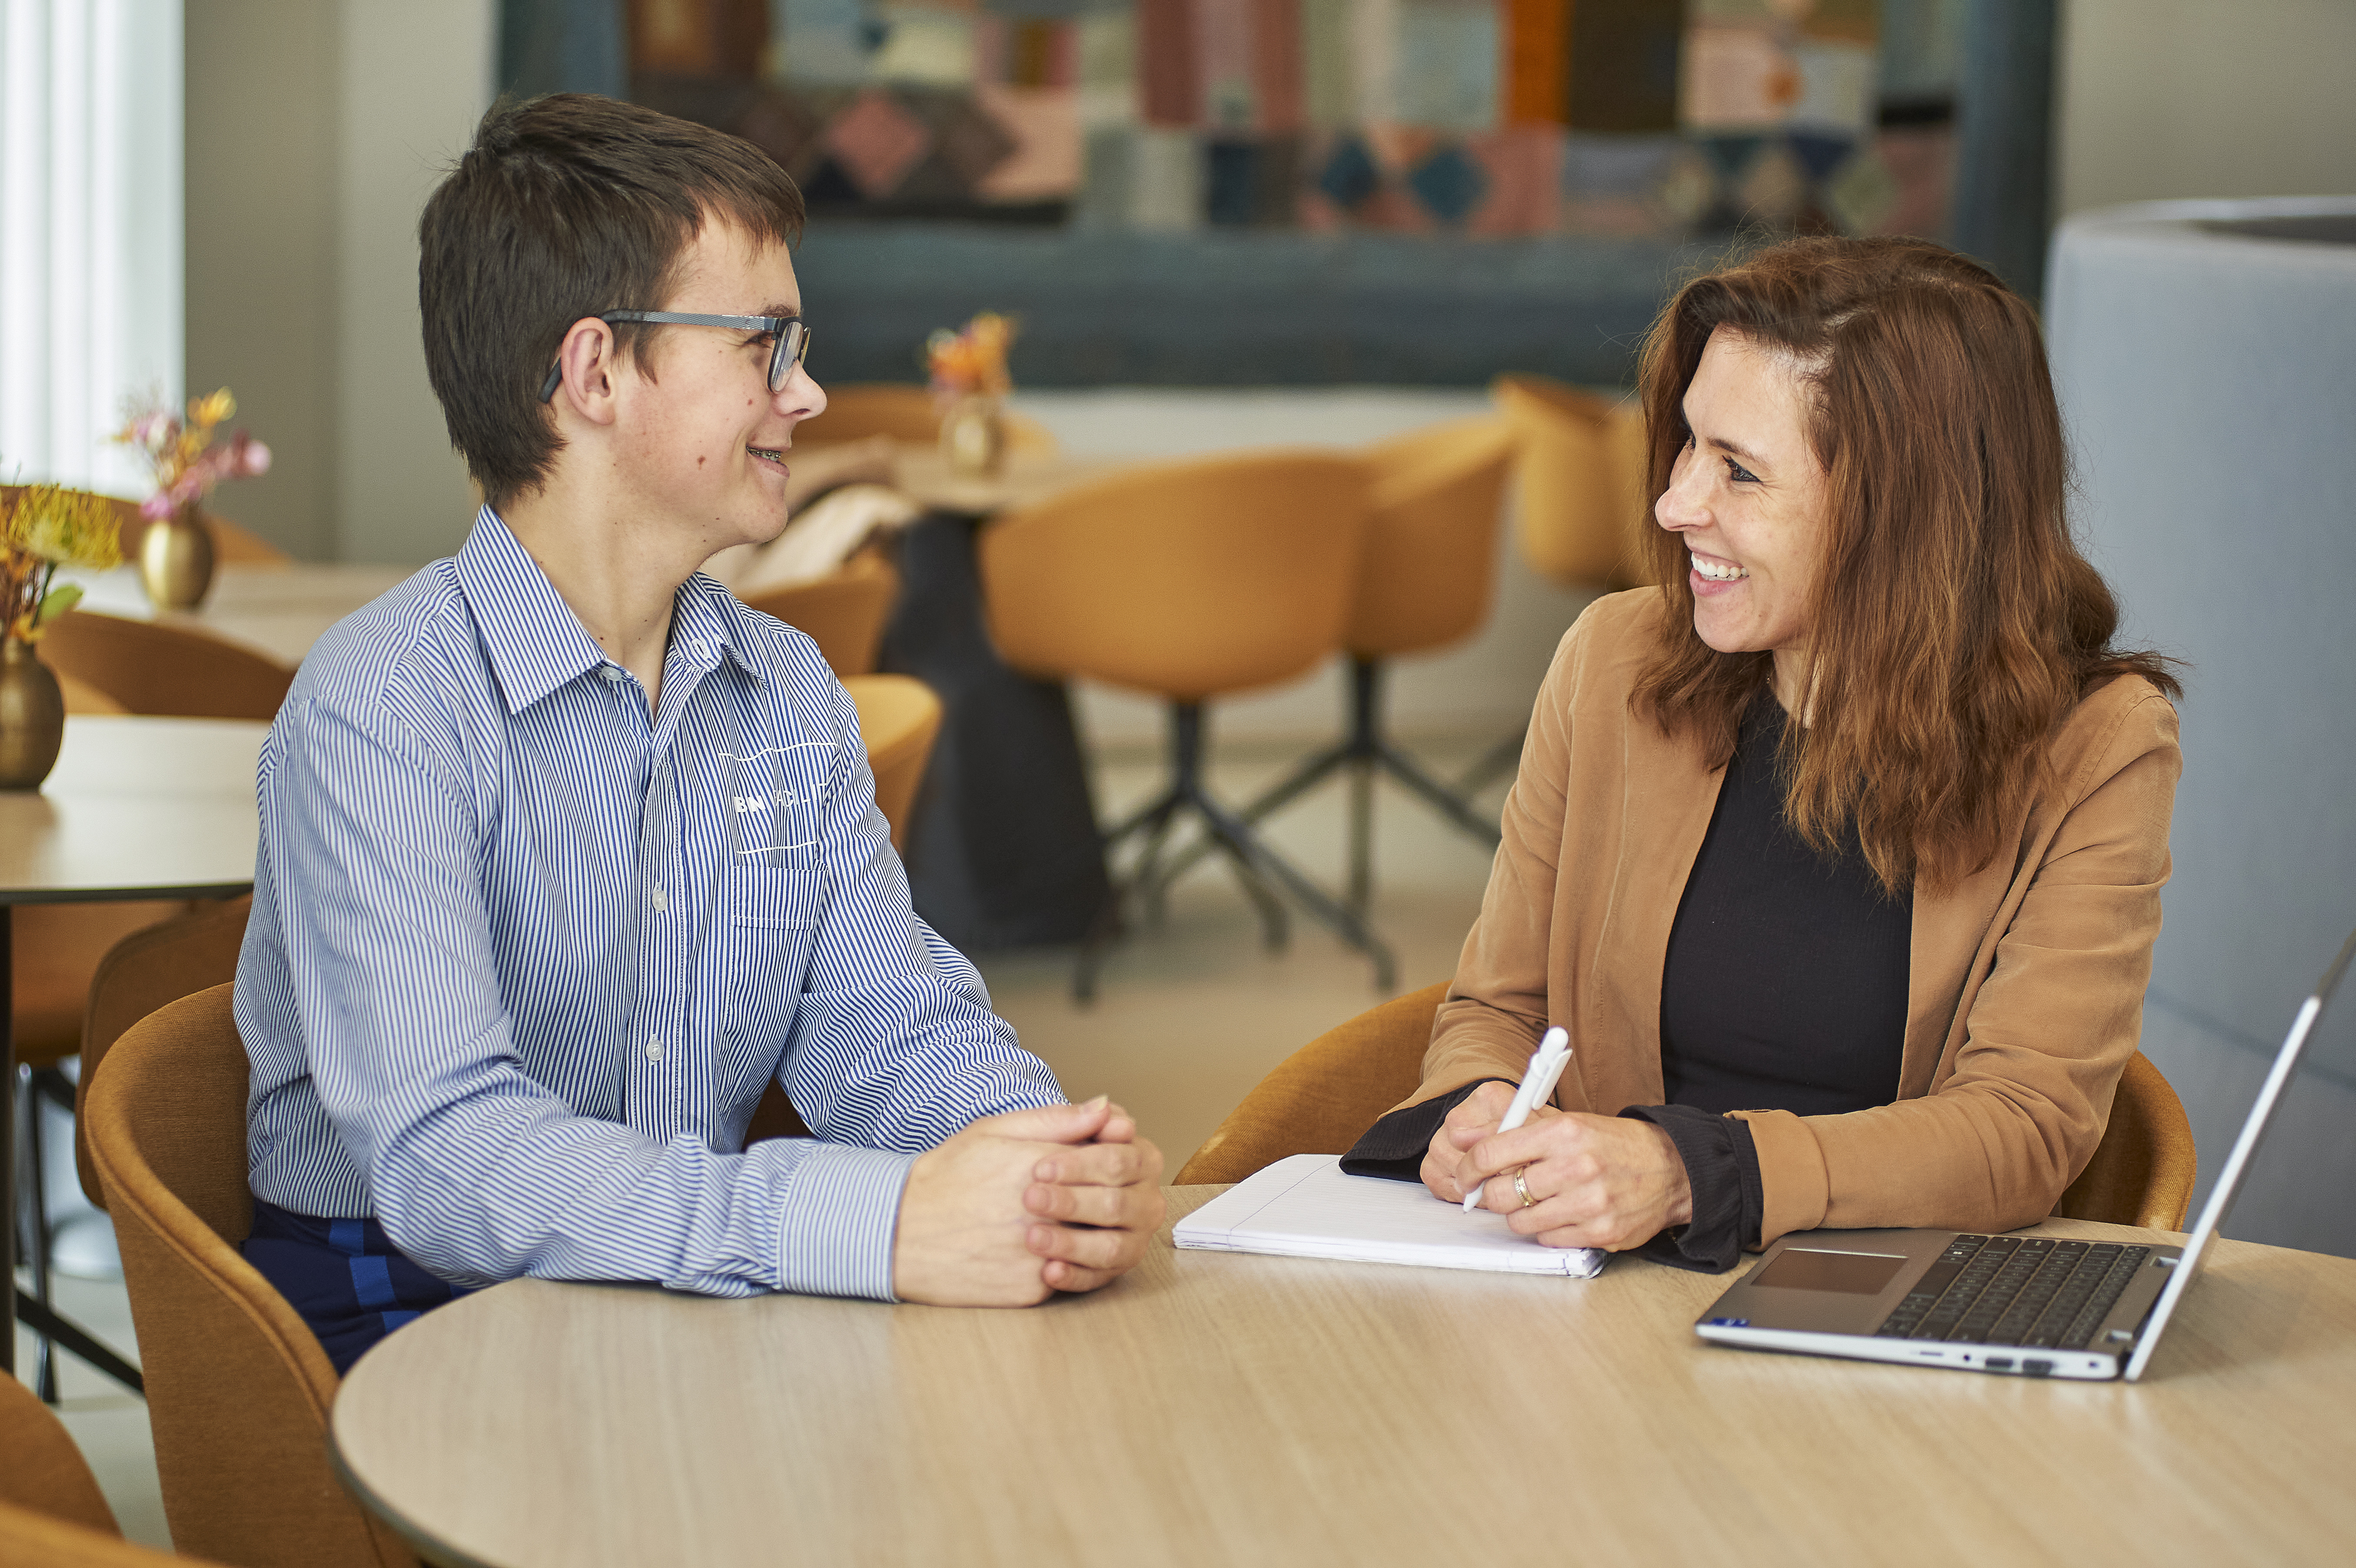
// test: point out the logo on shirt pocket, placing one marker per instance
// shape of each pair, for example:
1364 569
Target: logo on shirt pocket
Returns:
774 796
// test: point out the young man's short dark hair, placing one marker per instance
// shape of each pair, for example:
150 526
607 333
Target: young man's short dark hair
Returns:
567 206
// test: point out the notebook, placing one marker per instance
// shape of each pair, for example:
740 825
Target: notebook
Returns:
1303 1207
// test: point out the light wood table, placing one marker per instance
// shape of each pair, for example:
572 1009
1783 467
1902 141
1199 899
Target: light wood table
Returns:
278 610
136 808
1217 1407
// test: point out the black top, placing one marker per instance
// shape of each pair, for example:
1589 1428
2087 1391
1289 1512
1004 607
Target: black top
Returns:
1783 989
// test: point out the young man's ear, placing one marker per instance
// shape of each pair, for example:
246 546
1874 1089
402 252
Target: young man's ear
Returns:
590 367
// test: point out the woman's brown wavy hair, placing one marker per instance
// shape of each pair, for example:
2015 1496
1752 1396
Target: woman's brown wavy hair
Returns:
1954 622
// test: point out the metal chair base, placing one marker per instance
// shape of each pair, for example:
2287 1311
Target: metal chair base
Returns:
1257 866
1364 752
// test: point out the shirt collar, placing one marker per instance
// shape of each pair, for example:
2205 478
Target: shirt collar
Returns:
534 642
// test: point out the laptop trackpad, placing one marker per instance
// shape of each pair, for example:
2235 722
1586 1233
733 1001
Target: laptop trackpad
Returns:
1851 1274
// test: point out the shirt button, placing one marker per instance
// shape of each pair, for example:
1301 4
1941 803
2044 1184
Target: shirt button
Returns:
654 1050
658 900
611 673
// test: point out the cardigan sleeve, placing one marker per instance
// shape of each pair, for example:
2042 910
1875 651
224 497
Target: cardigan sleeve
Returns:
2020 1101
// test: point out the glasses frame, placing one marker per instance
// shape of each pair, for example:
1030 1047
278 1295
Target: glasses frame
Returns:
793 335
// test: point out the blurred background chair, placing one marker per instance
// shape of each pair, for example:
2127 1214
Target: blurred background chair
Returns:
1322 1098
843 612
238 1388
1188 581
899 719
905 414
1579 507
113 664
51 1512
150 667
1425 580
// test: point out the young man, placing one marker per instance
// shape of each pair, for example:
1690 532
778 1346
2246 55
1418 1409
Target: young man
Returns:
566 854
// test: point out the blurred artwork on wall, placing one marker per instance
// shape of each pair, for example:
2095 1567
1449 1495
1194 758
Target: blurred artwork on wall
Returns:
1657 119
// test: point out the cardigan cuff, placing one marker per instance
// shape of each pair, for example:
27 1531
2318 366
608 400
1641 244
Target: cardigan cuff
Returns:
1723 1169
1796 1190
1394 1147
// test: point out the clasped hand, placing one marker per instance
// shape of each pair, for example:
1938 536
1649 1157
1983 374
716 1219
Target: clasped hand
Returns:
1018 1207
1593 1181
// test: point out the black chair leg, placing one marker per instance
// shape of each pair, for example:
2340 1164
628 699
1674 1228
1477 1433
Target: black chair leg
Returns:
33 1203
1258 868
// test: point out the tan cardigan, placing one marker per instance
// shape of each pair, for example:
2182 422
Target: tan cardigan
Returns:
2026 979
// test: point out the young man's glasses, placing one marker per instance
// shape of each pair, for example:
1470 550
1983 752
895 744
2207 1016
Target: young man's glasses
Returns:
792 334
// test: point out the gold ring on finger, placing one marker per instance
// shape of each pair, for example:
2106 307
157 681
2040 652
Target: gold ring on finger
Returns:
1521 1189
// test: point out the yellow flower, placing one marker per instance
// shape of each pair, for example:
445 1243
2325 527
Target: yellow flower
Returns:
211 411
70 528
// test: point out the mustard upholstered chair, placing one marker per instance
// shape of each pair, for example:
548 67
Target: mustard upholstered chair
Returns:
45 1471
56 948
899 719
51 1512
238 1388
843 612
1425 581
1581 477
2143 1171
1188 581
172 670
1322 1098
905 414
127 666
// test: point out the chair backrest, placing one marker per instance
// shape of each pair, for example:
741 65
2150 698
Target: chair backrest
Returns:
238 1388
843 612
1430 560
30 1538
1185 579
1579 477
1322 1098
45 1472
899 719
2143 1171
193 951
176 672
903 413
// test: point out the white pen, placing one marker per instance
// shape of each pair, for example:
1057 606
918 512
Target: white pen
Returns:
1537 1082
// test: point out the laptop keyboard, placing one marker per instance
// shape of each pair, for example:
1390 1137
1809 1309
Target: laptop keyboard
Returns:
2008 1290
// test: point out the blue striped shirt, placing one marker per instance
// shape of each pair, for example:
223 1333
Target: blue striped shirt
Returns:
521 962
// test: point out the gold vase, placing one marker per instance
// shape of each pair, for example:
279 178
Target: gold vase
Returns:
32 717
176 561
973 435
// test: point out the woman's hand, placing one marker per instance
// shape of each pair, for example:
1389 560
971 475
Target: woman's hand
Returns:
1593 1181
1476 1117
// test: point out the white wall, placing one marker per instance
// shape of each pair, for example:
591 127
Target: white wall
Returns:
2204 98
414 79
314 132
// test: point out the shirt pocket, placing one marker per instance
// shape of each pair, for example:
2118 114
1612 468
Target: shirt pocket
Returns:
770 916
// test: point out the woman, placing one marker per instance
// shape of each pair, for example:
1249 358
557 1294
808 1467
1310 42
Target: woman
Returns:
1840 856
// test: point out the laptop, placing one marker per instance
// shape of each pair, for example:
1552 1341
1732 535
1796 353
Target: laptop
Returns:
2026 1306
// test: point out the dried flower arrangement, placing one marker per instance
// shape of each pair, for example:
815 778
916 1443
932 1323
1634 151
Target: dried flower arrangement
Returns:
971 361
185 463
47 527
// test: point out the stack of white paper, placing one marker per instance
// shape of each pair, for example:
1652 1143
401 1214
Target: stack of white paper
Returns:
1303 1207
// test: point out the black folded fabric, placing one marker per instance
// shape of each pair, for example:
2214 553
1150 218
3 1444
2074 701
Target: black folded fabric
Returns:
1394 1147
1722 1166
